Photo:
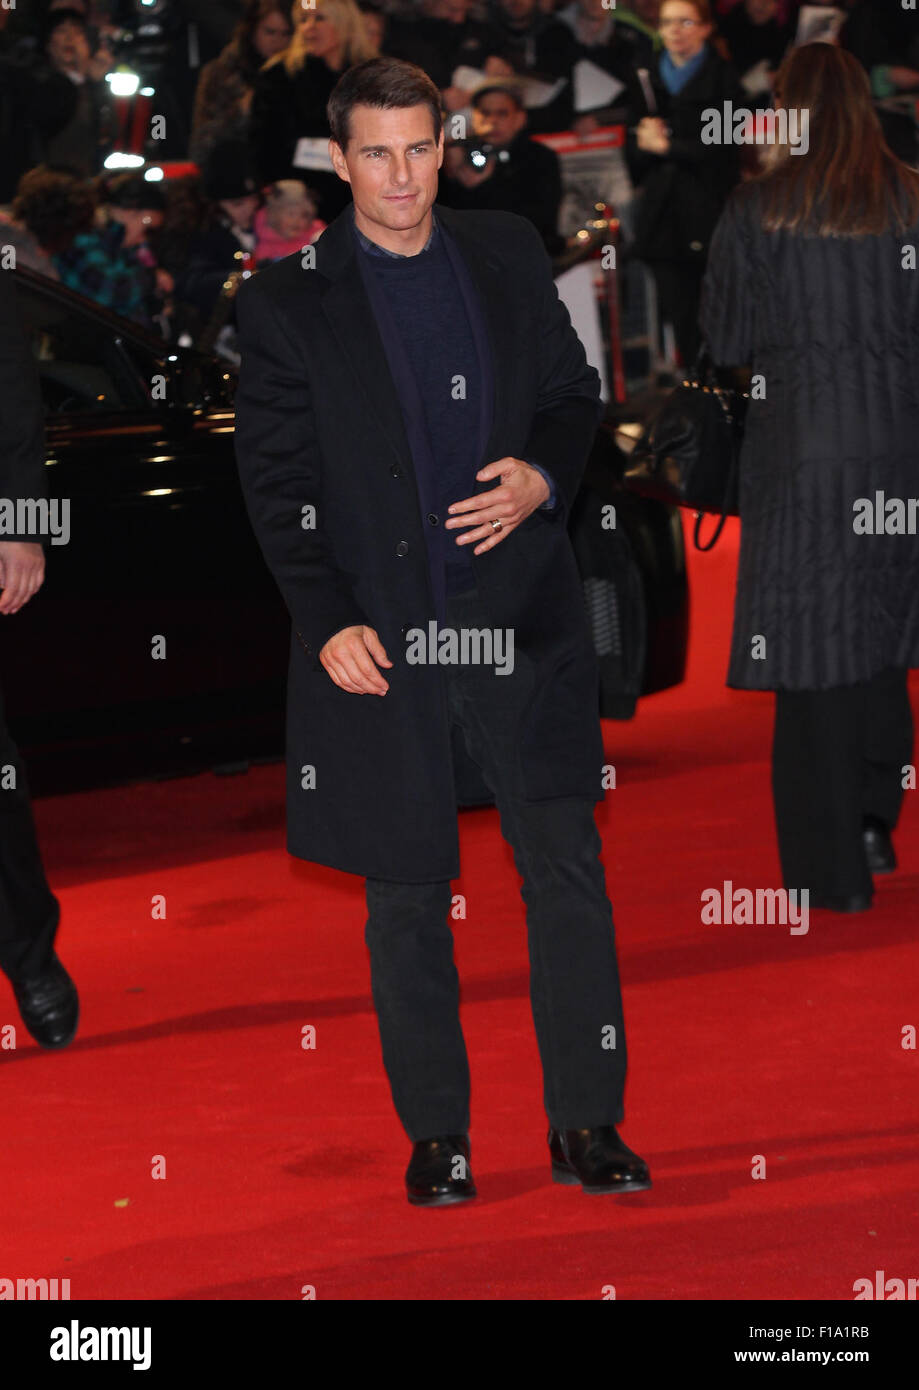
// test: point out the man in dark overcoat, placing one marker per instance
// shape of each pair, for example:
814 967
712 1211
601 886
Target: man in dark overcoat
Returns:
29 912
414 413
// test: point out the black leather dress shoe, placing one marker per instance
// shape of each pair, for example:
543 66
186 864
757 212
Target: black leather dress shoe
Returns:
597 1159
878 846
49 1005
859 902
438 1174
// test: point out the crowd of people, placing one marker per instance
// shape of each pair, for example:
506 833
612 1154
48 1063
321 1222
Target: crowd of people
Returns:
241 91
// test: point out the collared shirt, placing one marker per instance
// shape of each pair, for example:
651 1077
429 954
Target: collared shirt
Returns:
376 250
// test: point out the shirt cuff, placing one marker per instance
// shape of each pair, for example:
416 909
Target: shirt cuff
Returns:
548 505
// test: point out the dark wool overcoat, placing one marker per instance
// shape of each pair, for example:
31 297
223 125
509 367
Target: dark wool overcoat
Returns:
319 424
827 589
684 191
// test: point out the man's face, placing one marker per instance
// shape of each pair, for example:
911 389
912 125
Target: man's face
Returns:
391 164
498 119
761 11
68 46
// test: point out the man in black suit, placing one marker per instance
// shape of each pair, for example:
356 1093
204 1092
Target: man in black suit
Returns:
29 911
413 417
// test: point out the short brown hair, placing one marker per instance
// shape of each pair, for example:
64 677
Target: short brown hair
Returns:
387 84
54 205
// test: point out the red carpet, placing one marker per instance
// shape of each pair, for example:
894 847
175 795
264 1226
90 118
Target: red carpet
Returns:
284 1166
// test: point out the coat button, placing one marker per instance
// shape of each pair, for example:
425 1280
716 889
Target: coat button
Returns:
396 471
402 548
432 519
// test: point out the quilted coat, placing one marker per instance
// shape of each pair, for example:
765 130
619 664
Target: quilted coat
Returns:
828 580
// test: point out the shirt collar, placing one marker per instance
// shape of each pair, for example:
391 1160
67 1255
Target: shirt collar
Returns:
373 249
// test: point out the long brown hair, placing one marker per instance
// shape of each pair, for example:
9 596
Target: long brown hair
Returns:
847 182
242 44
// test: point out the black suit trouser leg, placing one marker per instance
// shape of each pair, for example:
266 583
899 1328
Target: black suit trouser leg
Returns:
679 290
837 756
574 979
29 911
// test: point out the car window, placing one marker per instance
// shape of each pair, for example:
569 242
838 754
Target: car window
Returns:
79 362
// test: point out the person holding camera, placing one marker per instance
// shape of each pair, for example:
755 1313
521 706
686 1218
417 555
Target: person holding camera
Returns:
500 169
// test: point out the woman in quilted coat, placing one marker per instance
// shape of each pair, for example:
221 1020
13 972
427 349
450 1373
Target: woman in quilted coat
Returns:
813 281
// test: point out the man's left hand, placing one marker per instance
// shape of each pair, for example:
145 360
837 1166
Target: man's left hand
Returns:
521 491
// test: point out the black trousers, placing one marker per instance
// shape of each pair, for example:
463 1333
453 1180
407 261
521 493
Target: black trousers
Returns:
29 911
679 292
838 756
574 976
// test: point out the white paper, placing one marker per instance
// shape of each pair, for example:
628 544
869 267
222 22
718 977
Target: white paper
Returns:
576 291
467 78
312 152
593 87
537 93
819 24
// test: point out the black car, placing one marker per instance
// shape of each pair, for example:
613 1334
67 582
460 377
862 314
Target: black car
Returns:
159 642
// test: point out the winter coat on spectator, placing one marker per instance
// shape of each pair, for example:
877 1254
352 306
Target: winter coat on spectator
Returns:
74 121
213 255
542 49
440 47
286 107
221 104
684 190
98 265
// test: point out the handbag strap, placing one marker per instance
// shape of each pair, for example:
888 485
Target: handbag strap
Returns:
703 371
703 367
732 472
715 534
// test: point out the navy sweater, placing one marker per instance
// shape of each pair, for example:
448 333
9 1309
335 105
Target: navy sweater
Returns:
429 313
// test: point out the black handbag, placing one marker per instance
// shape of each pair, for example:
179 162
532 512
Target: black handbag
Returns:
688 454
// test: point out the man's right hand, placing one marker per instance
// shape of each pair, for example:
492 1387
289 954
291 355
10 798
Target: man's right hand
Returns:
22 573
349 658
